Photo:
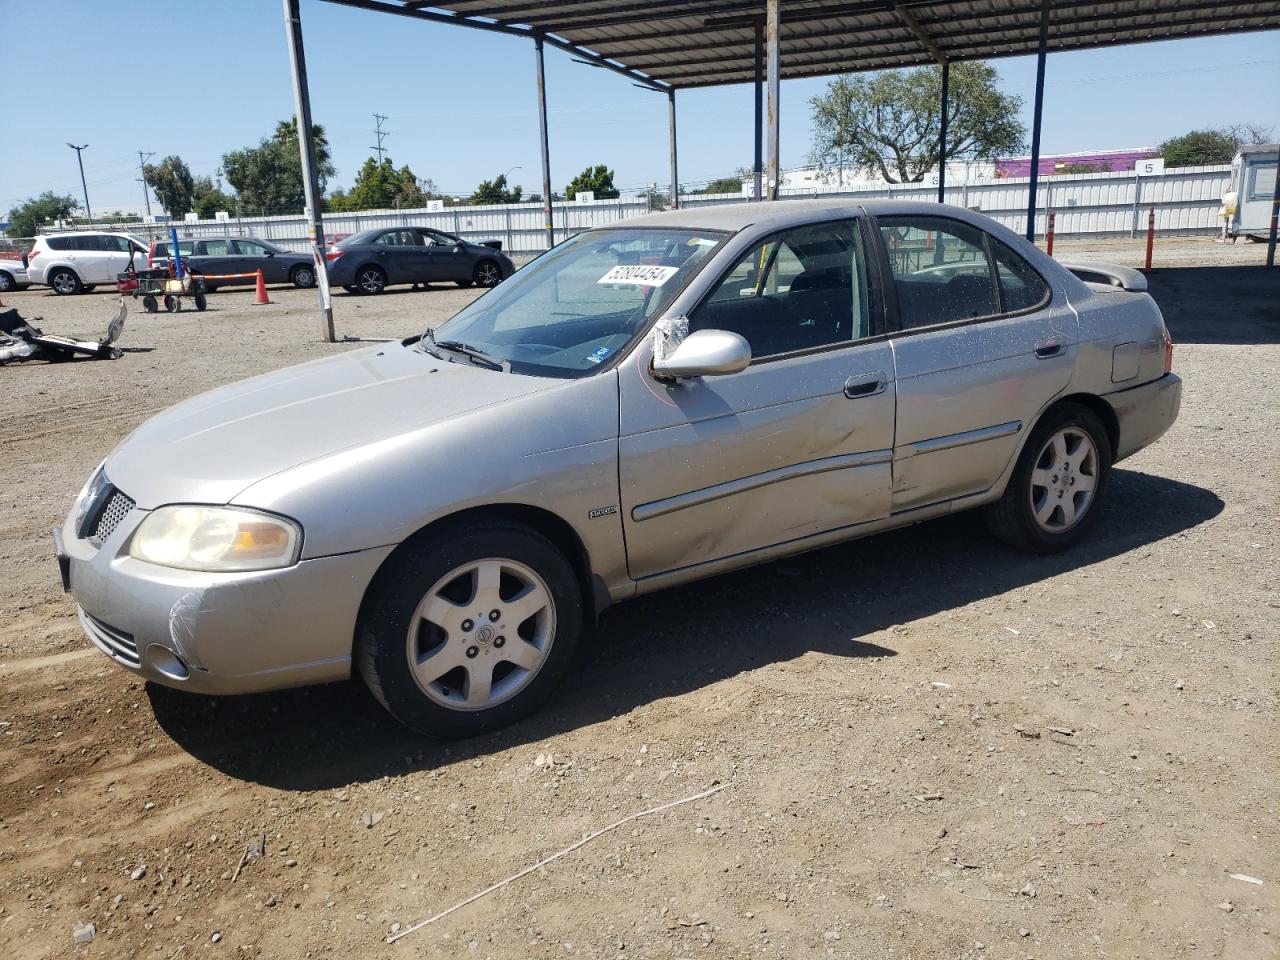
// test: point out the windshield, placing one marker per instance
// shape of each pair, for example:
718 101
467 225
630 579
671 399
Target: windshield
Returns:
569 311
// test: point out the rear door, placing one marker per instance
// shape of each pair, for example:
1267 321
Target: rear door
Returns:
402 255
797 444
981 347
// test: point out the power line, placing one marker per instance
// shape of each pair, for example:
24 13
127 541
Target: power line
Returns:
380 134
142 167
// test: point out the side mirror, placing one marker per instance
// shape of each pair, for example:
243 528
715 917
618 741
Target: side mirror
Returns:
706 353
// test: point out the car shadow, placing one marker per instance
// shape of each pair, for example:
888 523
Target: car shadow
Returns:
1218 304
679 640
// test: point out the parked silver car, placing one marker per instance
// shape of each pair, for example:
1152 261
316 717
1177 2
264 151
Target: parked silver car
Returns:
661 400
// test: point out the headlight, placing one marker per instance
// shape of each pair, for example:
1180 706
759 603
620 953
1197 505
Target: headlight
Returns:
88 497
216 539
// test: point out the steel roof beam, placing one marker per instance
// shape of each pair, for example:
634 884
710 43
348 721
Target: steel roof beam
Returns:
912 24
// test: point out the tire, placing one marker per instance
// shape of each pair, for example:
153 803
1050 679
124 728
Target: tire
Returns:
7 283
150 304
64 282
464 283
487 274
442 697
1061 477
370 280
201 301
88 287
351 288
303 277
172 303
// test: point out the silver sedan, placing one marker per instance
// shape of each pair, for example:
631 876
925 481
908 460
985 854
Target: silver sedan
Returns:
649 403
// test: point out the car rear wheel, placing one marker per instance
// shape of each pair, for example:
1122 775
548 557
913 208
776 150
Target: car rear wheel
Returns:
64 282
486 274
470 631
7 282
302 277
370 280
1052 498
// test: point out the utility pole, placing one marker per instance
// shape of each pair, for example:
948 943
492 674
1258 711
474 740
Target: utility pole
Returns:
146 194
380 134
84 186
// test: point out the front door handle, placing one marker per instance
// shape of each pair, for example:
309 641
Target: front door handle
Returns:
865 385
1048 348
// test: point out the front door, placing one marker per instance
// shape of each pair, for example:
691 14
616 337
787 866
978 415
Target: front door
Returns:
403 256
982 347
797 444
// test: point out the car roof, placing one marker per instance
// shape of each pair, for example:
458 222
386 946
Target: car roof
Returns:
786 213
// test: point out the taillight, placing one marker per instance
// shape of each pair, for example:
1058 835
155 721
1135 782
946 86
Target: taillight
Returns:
32 255
332 255
1168 351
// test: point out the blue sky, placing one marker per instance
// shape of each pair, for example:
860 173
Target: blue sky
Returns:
199 77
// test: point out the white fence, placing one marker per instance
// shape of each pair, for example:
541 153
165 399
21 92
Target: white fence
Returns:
1185 200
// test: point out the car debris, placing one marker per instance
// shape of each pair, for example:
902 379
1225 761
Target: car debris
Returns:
21 340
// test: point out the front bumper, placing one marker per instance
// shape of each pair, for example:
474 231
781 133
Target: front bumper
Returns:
1145 412
221 633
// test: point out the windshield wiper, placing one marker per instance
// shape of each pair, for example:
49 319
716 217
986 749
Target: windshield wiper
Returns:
476 356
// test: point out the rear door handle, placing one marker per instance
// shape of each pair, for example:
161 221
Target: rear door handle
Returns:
1048 348
865 385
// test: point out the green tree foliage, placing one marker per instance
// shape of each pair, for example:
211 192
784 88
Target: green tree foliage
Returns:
890 122
1202 147
495 191
725 185
268 177
1102 166
597 179
173 184
380 186
207 199
25 217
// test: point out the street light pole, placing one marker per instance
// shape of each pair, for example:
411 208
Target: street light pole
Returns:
84 186
146 193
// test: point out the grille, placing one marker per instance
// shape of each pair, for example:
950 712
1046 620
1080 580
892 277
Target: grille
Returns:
114 643
116 509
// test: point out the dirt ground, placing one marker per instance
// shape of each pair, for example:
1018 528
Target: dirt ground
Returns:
931 746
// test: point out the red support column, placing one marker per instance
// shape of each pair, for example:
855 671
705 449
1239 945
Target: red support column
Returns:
1048 234
1151 235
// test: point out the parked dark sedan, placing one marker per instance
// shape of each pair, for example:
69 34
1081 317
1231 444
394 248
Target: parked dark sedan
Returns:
223 255
371 261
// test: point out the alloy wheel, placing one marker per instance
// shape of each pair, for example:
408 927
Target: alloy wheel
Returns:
370 281
481 634
64 283
1064 479
488 275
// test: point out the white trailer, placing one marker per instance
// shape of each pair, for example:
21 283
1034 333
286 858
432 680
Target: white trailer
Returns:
1247 205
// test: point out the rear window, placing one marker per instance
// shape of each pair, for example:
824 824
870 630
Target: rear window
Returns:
60 243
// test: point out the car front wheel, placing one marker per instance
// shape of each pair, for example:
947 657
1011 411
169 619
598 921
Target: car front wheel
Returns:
470 631
486 274
64 282
1052 498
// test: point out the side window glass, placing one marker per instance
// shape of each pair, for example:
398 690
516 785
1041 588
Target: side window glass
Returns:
86 243
941 271
113 244
398 238
247 248
797 290
216 248
1021 288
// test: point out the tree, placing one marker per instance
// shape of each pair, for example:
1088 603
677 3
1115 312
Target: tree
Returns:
1102 166
24 218
173 184
1199 148
725 185
207 200
268 177
597 179
495 191
890 123
379 186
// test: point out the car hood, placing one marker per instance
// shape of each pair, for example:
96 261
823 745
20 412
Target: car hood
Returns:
213 446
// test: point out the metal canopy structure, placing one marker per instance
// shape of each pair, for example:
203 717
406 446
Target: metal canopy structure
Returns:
698 44
670 45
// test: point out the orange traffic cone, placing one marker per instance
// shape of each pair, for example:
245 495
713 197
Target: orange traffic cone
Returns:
261 298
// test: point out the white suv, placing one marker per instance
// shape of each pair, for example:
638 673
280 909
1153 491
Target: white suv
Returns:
72 262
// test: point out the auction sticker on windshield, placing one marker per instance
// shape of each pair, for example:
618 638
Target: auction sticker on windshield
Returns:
640 275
